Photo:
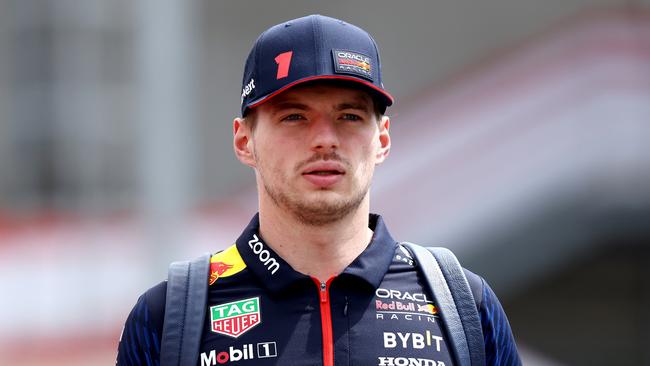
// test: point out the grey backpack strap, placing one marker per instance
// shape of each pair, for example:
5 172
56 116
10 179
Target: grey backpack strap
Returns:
187 290
453 297
465 302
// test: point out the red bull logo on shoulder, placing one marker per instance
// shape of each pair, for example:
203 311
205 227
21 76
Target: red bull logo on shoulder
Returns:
225 264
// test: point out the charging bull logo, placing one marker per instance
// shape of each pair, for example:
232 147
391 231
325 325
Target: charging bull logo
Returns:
360 64
428 308
225 264
217 269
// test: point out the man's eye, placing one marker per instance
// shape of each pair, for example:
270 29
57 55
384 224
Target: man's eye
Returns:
351 117
293 117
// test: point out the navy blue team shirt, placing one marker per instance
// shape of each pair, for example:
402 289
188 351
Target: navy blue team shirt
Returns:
262 312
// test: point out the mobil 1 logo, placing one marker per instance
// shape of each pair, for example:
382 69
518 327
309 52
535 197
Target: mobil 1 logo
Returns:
244 352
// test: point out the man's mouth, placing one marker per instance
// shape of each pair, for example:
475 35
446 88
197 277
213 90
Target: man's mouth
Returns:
325 172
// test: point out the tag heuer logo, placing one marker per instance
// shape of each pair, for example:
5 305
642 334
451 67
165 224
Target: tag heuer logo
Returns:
235 318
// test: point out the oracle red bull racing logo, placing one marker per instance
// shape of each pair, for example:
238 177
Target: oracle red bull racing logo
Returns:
235 318
393 304
348 62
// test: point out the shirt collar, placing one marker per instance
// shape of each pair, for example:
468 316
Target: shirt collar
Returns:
276 274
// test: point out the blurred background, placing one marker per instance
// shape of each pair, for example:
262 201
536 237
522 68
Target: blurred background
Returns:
520 140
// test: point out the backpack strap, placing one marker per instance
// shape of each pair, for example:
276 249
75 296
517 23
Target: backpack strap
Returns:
446 281
465 302
187 290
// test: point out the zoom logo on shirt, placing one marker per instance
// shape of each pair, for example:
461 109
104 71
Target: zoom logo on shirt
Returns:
263 254
246 352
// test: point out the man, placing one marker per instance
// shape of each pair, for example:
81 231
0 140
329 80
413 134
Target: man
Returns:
315 279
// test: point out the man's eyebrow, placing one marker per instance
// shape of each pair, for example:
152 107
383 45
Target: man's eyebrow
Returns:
289 105
360 106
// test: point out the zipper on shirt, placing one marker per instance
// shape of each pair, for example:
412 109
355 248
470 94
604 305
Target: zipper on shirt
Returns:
326 321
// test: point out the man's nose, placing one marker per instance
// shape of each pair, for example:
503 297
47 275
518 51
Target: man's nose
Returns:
324 134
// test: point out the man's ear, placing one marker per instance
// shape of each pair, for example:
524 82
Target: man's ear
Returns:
242 142
384 140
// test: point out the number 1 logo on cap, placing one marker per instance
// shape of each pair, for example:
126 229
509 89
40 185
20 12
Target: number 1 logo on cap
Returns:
283 60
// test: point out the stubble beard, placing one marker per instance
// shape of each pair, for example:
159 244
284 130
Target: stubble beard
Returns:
316 212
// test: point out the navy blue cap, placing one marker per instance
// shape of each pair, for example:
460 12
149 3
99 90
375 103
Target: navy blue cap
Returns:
314 47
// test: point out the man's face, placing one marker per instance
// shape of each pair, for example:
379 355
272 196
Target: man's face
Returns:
314 150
